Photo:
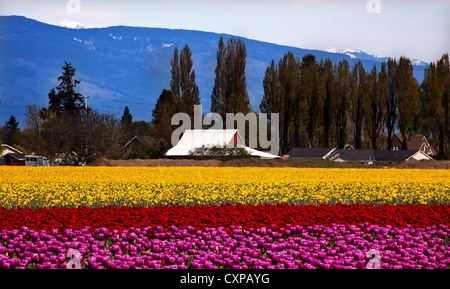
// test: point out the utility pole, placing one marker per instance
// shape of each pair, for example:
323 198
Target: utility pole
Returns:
85 105
86 119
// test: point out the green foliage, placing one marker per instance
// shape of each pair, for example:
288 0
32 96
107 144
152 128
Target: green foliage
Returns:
435 103
182 84
114 156
165 107
19 148
150 149
407 97
223 154
229 93
12 128
127 118
65 98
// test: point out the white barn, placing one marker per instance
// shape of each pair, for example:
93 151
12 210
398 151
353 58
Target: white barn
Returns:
220 138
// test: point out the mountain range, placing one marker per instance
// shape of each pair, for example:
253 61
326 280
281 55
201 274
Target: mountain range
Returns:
122 65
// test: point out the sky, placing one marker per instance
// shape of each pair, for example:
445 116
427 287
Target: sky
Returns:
390 28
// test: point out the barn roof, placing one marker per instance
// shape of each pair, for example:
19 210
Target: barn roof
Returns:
219 138
309 153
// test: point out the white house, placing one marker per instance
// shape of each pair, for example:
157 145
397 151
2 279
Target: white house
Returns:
220 138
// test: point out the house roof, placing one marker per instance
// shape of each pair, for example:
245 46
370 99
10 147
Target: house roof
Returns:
375 155
7 148
17 156
219 138
414 142
309 153
140 139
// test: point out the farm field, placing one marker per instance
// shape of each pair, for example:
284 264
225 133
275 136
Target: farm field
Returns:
224 217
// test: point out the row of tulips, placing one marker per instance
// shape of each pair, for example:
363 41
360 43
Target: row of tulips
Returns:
100 194
70 187
118 218
335 246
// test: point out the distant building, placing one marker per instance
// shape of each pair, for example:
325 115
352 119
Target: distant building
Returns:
136 141
371 156
193 139
414 142
14 159
6 149
310 153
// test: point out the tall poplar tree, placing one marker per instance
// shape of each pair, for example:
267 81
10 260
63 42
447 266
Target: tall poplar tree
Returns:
374 120
436 101
230 87
182 84
391 100
312 88
343 82
291 100
407 98
329 103
357 102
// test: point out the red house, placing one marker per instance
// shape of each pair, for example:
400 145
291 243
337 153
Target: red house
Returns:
414 142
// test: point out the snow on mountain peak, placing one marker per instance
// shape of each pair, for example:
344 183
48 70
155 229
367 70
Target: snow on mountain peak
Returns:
332 50
71 24
343 51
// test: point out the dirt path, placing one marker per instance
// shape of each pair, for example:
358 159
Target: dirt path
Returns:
266 163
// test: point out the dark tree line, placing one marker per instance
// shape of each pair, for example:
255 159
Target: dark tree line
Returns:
322 104
229 94
435 103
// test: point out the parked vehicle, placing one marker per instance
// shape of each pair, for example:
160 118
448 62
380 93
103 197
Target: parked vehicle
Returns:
36 161
16 163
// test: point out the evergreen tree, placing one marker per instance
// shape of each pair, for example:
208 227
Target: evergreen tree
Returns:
64 98
12 126
407 98
127 119
72 101
165 107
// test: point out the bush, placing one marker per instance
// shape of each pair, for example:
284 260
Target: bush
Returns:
115 156
223 154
